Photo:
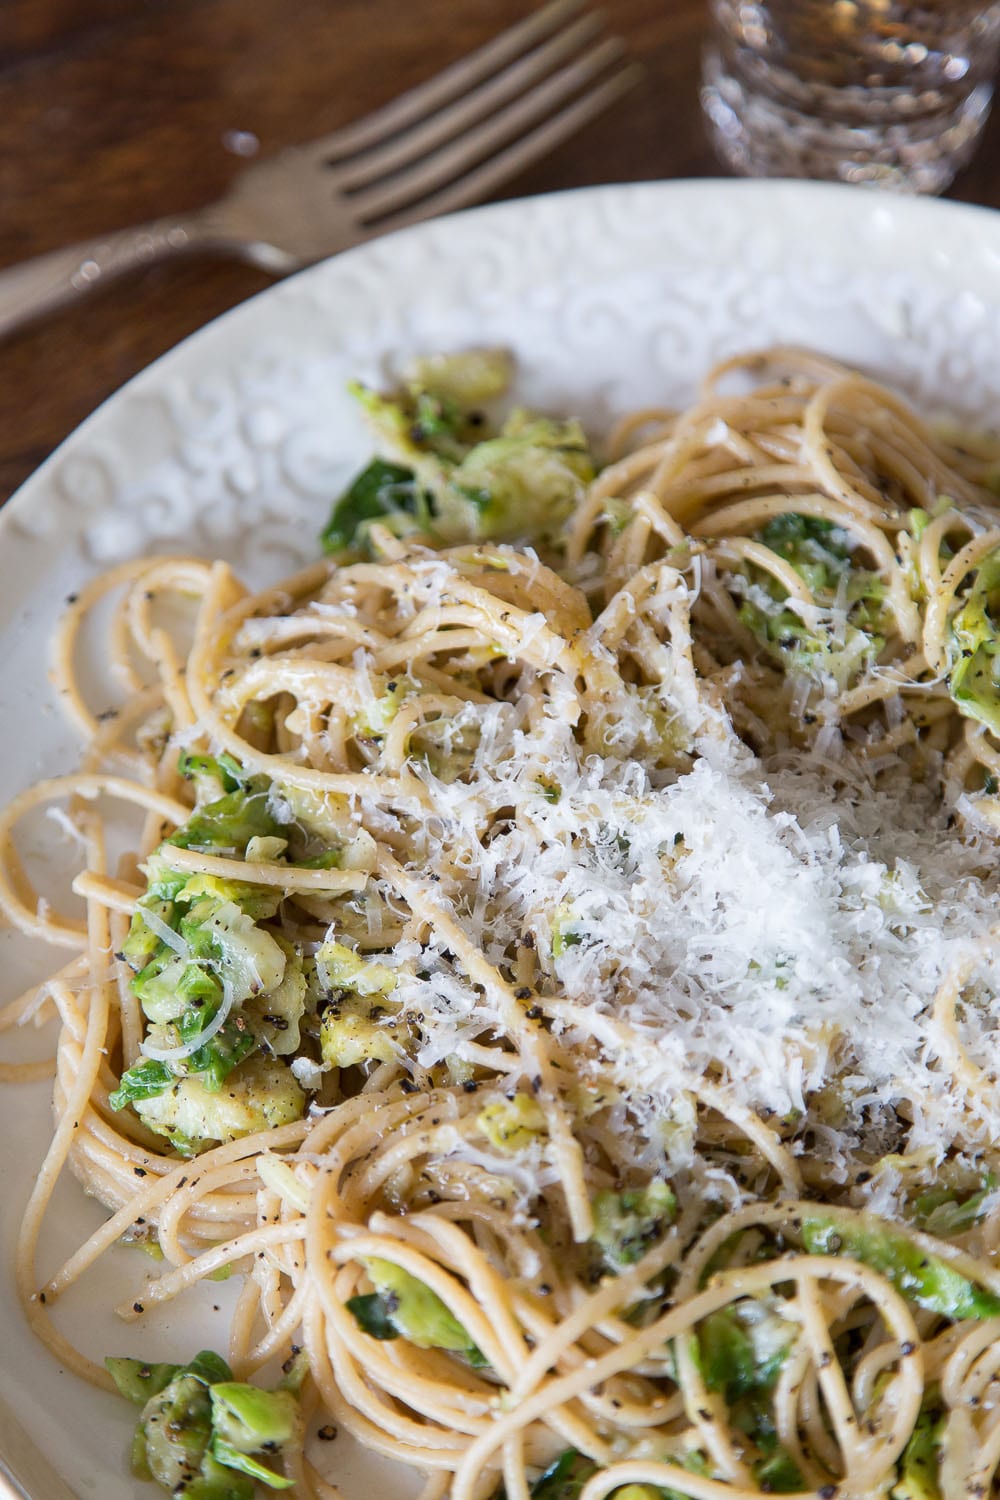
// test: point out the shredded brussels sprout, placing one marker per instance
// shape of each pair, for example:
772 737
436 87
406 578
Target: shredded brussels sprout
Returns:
447 475
203 1436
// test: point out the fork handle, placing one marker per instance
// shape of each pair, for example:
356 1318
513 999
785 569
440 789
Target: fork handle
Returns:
49 281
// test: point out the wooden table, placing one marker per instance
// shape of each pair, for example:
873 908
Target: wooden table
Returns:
113 111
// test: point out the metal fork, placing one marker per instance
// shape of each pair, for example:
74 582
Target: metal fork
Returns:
445 144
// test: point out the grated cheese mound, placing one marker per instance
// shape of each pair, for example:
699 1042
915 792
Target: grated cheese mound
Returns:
781 927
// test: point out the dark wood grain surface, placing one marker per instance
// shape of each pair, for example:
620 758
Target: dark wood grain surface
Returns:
113 111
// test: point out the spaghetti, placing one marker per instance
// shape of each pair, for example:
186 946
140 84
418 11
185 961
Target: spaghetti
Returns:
596 954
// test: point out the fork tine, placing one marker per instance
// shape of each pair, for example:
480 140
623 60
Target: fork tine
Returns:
380 124
491 174
453 160
377 164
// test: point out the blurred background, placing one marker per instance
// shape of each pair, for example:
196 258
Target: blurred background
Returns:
116 111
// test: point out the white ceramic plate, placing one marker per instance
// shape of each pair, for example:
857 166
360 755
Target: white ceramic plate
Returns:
235 444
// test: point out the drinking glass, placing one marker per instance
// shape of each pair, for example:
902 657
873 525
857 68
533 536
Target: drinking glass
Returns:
886 92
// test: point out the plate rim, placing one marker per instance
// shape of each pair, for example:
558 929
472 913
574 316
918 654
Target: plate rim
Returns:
842 201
